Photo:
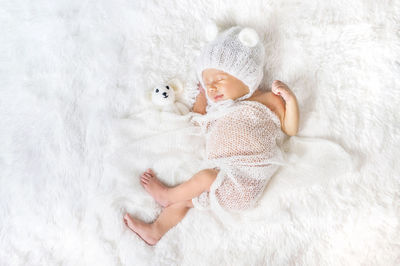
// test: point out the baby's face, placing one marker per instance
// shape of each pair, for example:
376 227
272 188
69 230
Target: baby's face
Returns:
222 86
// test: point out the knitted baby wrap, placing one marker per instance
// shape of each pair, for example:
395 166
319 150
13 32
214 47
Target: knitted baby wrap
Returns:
242 136
242 141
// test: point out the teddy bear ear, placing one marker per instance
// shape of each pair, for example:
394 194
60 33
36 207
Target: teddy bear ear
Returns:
176 84
211 30
248 37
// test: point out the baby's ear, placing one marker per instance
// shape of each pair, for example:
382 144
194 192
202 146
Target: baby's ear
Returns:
176 84
211 30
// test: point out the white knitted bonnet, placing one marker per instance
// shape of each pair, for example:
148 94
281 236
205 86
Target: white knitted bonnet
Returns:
236 51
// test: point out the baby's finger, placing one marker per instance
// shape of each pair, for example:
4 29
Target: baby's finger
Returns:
144 178
280 85
200 88
275 90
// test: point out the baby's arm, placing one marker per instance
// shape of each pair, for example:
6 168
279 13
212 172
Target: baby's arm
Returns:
201 101
290 123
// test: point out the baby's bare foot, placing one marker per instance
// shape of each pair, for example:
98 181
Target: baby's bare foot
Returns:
142 229
280 88
155 188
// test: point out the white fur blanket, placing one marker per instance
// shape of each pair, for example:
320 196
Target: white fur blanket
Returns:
76 132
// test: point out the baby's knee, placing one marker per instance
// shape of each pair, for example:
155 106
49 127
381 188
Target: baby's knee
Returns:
189 204
208 176
183 204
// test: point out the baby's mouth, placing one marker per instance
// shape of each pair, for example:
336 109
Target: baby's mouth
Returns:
218 97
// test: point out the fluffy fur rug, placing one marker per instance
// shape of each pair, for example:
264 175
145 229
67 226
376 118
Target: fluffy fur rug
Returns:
77 130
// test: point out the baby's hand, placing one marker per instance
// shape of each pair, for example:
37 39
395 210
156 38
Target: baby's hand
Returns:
201 101
280 88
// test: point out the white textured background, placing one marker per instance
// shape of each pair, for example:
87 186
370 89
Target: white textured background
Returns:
71 71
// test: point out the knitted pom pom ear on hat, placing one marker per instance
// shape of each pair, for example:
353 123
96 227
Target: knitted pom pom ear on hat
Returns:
211 30
236 51
248 37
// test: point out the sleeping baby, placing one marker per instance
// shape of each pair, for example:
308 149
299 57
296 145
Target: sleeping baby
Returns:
243 126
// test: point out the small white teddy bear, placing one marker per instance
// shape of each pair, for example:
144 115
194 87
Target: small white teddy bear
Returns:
163 96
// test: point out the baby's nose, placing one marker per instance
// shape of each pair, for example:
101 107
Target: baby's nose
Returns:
164 93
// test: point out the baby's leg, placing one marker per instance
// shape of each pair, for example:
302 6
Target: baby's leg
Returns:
151 233
165 196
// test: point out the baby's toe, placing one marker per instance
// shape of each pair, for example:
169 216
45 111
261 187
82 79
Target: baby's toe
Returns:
127 218
143 183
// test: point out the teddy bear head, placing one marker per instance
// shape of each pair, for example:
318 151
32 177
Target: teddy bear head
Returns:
163 95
